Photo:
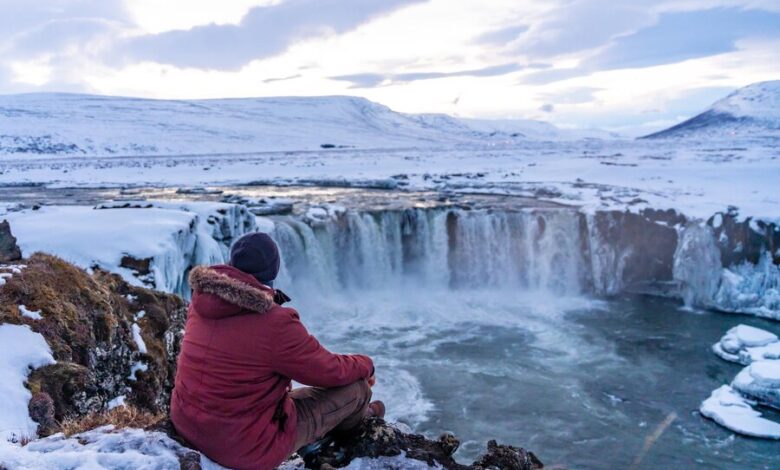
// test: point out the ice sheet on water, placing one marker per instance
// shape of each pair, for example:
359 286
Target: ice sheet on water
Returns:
729 409
745 344
761 381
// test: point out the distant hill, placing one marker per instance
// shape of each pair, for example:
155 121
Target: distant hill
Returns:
73 124
752 111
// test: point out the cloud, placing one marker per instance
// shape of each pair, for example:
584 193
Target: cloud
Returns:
24 15
502 36
581 25
368 80
674 37
688 35
282 79
576 62
263 32
574 95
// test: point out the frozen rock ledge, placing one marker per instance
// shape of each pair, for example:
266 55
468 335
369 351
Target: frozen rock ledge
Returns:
732 406
745 344
733 411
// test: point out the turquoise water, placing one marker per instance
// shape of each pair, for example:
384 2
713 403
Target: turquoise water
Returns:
581 383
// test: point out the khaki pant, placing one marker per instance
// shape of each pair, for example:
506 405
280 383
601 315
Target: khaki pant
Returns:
321 410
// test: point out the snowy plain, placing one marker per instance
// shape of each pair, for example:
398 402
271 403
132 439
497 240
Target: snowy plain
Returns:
62 140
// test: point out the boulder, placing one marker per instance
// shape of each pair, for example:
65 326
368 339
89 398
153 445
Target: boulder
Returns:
376 438
9 250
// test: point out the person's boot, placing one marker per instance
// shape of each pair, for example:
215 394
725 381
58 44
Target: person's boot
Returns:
310 453
376 409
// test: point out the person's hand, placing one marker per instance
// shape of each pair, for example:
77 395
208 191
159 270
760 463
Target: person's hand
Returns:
372 380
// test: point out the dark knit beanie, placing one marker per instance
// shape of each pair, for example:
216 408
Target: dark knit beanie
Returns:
257 254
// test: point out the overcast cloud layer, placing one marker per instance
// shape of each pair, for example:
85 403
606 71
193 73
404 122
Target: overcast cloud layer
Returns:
631 66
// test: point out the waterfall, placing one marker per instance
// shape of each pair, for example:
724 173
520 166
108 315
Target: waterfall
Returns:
697 265
436 248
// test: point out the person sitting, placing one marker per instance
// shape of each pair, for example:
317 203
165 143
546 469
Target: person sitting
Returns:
233 398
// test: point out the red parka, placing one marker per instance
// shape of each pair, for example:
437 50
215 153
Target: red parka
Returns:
239 353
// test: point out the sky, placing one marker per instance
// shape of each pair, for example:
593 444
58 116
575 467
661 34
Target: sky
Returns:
631 66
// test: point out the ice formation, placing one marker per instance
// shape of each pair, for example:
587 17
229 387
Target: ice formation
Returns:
745 344
732 406
705 282
733 411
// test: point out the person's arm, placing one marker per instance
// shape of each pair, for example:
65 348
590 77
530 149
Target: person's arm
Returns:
299 356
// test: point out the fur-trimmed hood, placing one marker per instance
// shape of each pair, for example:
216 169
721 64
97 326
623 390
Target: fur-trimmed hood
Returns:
223 291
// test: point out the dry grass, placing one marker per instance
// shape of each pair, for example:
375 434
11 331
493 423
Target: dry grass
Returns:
120 417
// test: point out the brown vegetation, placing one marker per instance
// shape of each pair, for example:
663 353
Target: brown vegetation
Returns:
119 417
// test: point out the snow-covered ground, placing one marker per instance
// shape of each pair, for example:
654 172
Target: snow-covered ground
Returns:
752 110
696 178
77 140
733 406
73 124
108 448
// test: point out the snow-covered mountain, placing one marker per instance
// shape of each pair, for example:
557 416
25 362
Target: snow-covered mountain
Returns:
751 111
53 123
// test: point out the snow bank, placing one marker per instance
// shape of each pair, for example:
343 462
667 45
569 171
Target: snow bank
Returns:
729 409
745 344
173 236
100 448
20 350
759 383
108 449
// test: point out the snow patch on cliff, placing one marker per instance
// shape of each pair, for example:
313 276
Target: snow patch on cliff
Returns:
21 350
169 236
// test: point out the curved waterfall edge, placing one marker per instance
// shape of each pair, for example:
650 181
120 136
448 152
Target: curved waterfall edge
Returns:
721 263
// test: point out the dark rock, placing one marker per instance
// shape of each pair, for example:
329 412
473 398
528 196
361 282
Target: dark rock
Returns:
41 409
635 251
9 250
739 242
507 457
141 266
376 438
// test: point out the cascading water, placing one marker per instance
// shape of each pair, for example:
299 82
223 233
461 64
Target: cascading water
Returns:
437 248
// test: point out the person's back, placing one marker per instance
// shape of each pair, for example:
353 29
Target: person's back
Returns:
231 398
